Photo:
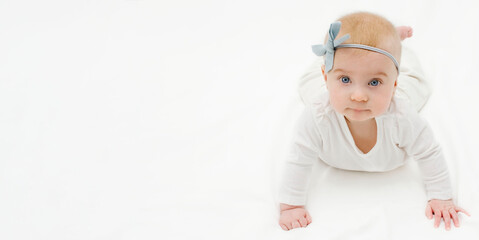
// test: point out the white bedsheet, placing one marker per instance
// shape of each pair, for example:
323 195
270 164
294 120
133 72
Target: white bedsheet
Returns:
171 120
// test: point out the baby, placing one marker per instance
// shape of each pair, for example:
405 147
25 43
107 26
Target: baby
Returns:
356 120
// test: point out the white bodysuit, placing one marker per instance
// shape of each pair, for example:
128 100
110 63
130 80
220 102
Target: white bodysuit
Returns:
322 133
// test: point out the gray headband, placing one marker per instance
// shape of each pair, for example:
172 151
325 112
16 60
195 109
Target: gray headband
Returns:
330 46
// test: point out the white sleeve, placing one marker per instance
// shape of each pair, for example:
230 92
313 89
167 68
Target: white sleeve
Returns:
417 139
298 167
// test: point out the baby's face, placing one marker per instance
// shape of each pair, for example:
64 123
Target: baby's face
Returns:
361 86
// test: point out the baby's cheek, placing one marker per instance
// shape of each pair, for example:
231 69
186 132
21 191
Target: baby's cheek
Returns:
336 103
384 105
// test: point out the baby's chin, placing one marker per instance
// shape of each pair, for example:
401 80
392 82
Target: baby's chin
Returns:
360 116
356 118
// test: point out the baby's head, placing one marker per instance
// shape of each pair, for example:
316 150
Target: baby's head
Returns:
361 79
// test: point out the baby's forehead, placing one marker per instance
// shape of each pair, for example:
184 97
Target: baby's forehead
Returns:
365 64
355 52
348 58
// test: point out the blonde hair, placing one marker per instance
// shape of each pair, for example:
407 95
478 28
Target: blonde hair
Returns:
370 29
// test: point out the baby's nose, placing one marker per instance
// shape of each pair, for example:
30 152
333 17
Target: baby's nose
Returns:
359 95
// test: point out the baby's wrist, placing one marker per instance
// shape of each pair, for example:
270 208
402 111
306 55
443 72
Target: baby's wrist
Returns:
284 206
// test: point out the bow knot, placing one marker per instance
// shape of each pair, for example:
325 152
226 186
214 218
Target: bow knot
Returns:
329 47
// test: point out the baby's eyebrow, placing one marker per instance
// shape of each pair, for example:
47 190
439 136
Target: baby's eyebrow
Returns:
342 70
381 73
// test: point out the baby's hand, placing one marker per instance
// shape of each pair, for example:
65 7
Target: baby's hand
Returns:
446 209
293 217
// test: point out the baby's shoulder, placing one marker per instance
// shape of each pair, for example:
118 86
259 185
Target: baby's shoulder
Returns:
401 107
404 114
320 107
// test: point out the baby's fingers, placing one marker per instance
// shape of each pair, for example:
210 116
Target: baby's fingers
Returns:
303 222
437 220
429 212
296 224
308 217
285 225
455 219
459 209
447 219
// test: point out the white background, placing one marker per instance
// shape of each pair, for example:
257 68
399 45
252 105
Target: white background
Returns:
170 119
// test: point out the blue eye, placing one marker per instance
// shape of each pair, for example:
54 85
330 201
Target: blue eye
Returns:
374 82
345 79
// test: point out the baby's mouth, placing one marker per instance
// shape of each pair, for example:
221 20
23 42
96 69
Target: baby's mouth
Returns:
358 109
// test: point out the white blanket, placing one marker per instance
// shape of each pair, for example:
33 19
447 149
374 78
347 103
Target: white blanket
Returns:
172 119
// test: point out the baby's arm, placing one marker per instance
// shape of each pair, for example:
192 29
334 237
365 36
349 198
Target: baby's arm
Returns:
419 142
297 171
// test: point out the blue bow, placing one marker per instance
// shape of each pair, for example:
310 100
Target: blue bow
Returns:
330 46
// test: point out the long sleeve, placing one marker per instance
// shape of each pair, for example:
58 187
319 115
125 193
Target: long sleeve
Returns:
298 167
419 143
412 82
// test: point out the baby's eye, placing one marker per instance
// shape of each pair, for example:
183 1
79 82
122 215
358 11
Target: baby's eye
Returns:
345 79
374 82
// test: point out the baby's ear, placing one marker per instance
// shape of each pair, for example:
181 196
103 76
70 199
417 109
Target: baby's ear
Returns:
395 86
322 70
